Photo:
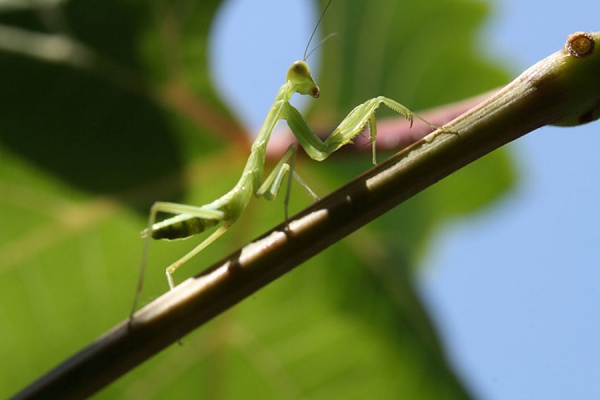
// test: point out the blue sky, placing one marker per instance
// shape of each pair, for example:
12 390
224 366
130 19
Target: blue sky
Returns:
515 290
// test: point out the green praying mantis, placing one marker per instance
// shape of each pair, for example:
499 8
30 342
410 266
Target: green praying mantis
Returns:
190 220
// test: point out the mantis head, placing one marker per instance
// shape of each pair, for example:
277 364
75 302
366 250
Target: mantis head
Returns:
300 79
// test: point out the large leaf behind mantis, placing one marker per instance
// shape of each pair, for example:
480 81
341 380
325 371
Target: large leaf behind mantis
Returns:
86 145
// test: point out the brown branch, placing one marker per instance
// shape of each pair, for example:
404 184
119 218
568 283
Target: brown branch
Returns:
560 88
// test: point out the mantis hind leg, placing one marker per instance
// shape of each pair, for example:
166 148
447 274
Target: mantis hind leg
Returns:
178 210
173 267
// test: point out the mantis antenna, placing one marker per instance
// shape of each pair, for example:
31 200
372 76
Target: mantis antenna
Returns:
312 35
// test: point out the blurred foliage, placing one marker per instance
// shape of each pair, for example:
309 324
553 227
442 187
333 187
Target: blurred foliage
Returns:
90 139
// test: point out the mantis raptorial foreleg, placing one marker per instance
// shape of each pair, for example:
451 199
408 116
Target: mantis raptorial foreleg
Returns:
271 185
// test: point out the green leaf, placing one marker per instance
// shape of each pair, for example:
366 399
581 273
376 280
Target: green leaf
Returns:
87 144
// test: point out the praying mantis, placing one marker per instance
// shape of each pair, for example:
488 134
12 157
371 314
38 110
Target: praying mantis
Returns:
189 220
